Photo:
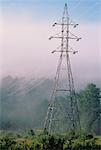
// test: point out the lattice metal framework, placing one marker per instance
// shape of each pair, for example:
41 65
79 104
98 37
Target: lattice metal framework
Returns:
59 114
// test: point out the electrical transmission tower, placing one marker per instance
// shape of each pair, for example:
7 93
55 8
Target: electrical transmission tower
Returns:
62 111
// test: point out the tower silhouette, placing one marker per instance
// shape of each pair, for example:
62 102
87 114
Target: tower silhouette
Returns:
62 113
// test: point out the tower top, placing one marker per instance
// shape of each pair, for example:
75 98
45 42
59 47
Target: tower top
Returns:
65 12
66 2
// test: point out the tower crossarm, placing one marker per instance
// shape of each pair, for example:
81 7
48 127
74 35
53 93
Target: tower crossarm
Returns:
60 37
65 24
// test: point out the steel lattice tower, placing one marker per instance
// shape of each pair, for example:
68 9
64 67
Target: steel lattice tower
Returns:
64 84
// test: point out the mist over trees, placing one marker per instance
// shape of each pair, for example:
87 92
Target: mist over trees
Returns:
20 101
24 104
90 109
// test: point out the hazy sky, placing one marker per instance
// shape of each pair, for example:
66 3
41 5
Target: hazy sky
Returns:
25 26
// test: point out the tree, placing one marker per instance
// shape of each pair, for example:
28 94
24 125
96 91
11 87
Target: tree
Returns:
89 105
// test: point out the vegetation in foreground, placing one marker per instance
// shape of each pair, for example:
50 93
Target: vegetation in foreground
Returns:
31 141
